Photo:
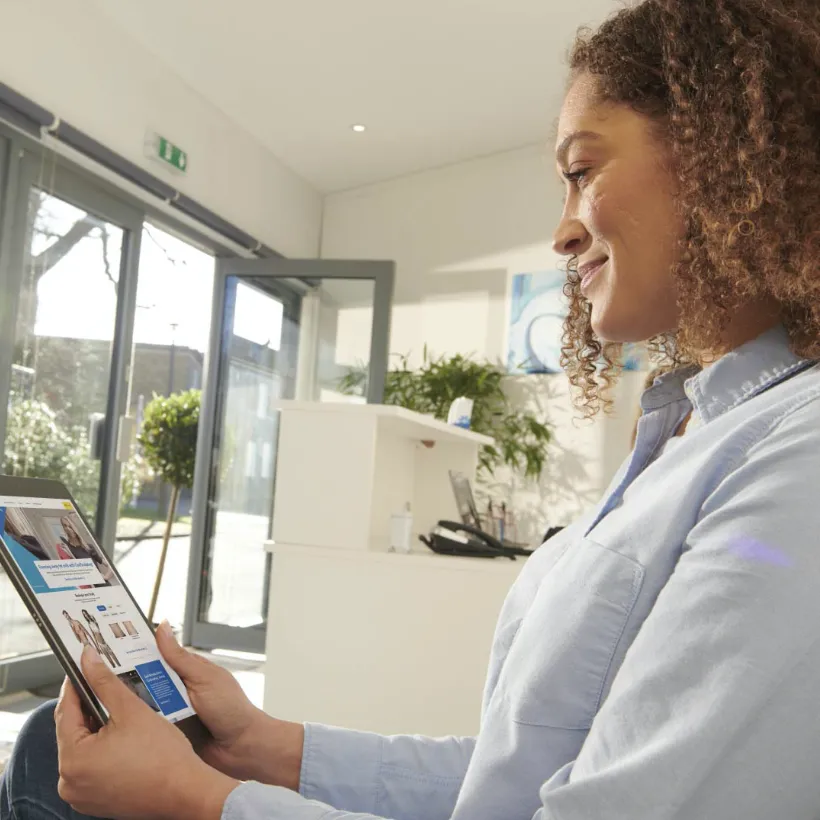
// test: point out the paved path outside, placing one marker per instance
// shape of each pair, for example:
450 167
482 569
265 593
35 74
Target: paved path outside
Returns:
132 529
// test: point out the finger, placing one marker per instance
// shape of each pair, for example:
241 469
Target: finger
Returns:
69 690
69 717
117 698
193 669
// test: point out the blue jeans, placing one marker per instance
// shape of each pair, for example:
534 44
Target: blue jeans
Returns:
29 785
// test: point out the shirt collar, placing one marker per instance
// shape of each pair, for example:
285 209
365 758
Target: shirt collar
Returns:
730 381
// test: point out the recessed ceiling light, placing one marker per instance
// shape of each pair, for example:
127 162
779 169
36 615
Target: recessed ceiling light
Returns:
359 128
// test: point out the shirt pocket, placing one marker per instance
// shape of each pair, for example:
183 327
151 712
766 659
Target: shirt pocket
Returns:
560 662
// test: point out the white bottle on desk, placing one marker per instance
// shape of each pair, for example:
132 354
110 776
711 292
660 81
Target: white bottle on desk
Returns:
401 530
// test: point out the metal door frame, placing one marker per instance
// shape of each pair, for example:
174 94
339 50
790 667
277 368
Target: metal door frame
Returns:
24 169
301 274
76 190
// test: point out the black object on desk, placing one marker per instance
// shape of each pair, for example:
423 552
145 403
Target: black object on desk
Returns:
456 538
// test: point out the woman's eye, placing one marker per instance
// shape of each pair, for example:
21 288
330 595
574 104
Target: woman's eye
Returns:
577 176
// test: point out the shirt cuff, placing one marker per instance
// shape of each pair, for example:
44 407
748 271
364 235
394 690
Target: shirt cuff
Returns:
341 767
250 801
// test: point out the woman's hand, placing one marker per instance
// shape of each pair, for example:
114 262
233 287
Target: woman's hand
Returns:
247 744
136 767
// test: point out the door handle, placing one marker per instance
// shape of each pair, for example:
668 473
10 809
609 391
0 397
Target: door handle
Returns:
96 435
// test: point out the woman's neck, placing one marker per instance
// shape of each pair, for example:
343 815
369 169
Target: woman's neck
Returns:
747 324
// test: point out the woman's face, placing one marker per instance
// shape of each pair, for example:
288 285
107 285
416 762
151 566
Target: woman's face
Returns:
72 534
619 216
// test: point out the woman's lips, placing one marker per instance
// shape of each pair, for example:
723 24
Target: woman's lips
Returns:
589 271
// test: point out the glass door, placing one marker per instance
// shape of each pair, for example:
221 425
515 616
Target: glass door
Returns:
68 275
171 333
285 329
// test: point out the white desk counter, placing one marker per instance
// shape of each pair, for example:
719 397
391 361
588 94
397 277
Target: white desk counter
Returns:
381 641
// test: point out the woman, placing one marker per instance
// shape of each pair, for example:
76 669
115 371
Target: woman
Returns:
661 657
78 549
63 552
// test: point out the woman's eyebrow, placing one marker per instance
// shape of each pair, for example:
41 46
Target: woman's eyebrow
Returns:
562 150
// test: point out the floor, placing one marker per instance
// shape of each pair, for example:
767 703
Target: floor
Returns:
15 708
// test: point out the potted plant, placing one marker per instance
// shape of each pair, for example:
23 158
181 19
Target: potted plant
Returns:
521 438
168 439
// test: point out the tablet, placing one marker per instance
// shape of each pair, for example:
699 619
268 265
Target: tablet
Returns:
78 599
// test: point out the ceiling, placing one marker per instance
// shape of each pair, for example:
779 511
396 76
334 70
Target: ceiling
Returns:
434 81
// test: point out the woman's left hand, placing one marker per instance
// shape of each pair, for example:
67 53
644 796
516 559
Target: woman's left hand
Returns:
138 766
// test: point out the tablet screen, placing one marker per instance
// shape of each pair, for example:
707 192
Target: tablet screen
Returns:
84 600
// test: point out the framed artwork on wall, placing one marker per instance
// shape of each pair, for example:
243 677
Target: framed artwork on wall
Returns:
538 308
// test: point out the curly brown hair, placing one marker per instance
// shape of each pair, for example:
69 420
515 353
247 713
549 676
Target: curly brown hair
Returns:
734 86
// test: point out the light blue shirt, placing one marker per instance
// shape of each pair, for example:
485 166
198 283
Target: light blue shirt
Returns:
658 659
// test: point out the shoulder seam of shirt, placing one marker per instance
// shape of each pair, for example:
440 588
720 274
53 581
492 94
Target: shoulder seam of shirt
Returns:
756 439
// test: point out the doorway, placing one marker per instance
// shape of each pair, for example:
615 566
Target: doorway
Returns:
283 329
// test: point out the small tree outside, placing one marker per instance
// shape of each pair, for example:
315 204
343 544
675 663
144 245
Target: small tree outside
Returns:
168 439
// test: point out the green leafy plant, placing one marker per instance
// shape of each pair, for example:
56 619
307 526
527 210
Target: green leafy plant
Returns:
168 439
38 444
521 438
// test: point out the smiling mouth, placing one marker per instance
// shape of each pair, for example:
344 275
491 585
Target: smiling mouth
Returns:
589 271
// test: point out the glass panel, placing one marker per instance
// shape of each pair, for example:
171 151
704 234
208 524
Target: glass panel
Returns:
333 323
344 331
258 367
171 329
62 361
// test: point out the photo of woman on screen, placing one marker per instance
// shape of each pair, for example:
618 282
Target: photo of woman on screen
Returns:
80 548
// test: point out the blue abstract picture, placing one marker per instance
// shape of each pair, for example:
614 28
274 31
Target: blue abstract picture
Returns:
538 308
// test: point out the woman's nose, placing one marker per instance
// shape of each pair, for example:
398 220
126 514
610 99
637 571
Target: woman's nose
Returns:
569 237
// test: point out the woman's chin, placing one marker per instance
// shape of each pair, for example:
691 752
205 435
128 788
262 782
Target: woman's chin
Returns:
623 327
615 330
606 329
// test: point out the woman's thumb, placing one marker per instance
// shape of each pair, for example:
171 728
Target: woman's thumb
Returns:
181 661
109 689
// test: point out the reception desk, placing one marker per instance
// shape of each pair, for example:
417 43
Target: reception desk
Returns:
356 635
383 642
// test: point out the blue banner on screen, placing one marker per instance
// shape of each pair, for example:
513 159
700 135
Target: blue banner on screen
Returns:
161 687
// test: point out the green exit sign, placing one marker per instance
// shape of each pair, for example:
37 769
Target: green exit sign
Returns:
172 154
162 149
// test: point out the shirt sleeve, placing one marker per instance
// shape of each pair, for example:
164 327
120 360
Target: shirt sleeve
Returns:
714 712
349 775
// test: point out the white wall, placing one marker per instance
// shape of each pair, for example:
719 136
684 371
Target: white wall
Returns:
458 234
455 233
69 58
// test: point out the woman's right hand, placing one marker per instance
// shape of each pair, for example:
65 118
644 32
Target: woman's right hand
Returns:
247 743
